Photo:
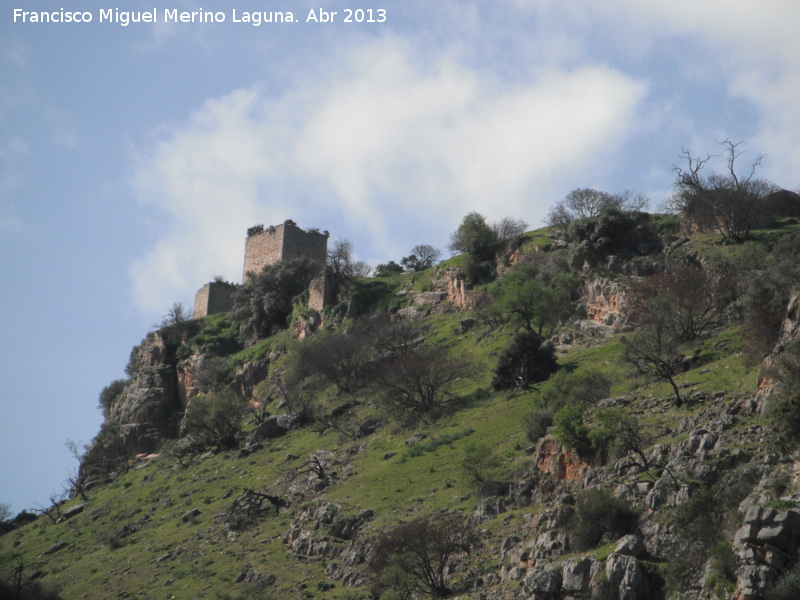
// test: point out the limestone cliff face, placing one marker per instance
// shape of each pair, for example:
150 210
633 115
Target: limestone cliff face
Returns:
150 407
456 290
606 303
790 329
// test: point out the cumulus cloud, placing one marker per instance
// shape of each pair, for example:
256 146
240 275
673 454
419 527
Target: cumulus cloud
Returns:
752 48
385 147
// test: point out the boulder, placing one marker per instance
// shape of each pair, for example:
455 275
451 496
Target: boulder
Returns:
630 545
576 574
268 430
544 584
55 548
627 574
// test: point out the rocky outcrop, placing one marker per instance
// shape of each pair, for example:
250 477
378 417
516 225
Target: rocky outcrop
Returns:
458 291
790 329
150 407
321 531
606 303
764 545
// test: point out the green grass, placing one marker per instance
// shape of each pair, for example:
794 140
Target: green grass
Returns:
381 472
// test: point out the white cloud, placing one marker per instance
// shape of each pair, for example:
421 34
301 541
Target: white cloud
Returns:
751 47
386 146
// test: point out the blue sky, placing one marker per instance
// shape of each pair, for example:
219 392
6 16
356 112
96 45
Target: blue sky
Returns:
133 159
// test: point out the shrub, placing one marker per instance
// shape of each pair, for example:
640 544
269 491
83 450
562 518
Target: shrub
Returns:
615 232
110 395
527 360
263 303
571 431
537 423
388 269
787 587
413 558
216 419
479 462
586 386
597 515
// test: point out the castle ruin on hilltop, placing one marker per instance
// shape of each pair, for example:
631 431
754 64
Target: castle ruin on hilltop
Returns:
267 246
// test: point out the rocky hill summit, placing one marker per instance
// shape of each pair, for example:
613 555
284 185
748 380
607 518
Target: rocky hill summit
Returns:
605 408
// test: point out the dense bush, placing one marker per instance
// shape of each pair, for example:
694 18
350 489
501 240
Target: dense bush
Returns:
612 232
263 303
482 242
787 587
586 386
768 280
110 395
527 360
212 373
571 431
614 432
215 419
537 424
534 296
599 515
710 517
388 269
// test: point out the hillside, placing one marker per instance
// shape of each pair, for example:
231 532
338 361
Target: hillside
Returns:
595 415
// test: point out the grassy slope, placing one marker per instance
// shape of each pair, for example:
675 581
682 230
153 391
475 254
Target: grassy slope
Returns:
156 494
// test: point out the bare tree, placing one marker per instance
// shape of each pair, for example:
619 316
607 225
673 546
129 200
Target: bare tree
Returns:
53 512
420 381
582 203
75 484
654 350
342 266
176 315
690 299
507 229
340 358
730 203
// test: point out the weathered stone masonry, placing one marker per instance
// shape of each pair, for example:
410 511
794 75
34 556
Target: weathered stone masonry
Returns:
282 242
212 298
267 246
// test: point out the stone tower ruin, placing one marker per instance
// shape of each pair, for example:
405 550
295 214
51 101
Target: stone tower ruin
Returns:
266 246
212 298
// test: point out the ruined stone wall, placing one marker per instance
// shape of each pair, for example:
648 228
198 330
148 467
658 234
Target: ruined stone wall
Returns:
261 249
298 243
281 242
319 292
213 298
